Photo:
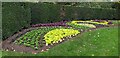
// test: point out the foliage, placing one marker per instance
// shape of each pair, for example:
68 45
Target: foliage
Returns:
89 4
96 4
58 34
45 13
92 22
62 23
15 16
89 13
87 24
32 38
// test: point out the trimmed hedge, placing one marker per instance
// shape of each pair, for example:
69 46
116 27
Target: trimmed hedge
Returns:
96 4
89 13
45 13
15 16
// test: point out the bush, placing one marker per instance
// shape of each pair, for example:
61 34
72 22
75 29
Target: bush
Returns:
15 16
89 13
45 13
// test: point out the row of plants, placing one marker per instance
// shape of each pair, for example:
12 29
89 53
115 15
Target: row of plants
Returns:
103 22
58 34
33 37
87 24
61 23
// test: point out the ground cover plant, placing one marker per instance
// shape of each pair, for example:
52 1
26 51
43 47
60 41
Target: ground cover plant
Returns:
32 38
87 24
58 34
61 23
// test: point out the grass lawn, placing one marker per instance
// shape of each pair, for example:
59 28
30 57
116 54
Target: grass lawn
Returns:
101 42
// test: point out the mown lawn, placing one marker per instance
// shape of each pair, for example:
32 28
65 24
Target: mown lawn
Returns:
100 42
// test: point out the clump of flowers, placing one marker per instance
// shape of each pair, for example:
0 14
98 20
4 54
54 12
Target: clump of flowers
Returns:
58 34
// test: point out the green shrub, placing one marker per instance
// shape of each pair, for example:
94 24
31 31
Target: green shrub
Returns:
45 13
89 13
15 16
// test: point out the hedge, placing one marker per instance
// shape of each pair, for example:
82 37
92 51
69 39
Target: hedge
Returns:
15 16
90 13
96 4
45 13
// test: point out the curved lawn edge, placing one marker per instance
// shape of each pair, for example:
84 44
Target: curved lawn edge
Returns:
82 46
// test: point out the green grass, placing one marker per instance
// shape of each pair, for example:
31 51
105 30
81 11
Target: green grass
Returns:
83 45
0 54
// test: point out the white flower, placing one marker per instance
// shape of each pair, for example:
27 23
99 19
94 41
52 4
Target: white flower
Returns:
42 50
46 44
35 53
57 42
98 33
13 50
7 50
80 51
81 29
60 40
93 55
89 30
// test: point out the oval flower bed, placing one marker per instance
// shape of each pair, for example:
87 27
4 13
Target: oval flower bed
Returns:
87 24
102 22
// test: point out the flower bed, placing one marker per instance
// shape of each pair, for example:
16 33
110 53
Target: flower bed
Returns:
87 24
51 35
41 38
62 23
58 34
32 38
